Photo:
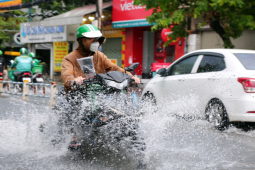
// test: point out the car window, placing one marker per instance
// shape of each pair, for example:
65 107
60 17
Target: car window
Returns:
211 63
247 60
183 67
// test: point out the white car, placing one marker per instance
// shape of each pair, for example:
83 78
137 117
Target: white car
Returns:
222 79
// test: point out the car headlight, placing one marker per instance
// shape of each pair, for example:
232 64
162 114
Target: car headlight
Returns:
116 85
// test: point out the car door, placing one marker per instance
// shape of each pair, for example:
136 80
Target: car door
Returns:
205 76
171 86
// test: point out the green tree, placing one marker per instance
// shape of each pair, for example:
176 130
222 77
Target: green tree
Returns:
60 6
9 25
228 18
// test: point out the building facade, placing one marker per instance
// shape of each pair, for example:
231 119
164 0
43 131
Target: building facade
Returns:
142 45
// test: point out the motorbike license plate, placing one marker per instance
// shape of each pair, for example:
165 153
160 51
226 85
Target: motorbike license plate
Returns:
27 80
39 79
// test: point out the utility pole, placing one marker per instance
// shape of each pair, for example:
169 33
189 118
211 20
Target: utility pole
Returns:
83 2
99 13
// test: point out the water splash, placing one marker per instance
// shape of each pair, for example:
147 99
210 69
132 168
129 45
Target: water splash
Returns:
171 141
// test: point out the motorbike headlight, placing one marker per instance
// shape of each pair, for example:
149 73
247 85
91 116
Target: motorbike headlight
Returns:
116 85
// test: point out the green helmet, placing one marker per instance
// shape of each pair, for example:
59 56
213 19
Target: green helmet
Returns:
23 51
31 54
1 53
36 62
88 30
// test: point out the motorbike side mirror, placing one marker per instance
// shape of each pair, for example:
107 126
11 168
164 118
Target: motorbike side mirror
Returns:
132 67
161 71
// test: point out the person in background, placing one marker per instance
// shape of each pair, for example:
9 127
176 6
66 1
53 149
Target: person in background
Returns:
3 67
22 63
35 61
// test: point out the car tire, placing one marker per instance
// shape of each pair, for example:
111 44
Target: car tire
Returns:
149 102
216 113
149 97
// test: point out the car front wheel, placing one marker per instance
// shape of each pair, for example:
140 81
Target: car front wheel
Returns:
149 102
216 113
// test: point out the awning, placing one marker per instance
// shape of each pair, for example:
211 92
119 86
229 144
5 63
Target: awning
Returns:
74 16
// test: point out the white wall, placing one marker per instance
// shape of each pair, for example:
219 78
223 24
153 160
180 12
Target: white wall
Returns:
210 39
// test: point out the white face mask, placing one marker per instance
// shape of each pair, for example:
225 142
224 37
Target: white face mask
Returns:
94 46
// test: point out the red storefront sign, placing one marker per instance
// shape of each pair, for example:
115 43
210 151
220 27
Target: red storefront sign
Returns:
125 14
175 49
164 35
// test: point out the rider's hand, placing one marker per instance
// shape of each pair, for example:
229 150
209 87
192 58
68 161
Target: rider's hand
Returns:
137 80
79 80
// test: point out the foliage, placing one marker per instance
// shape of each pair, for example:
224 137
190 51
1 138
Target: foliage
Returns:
60 5
9 25
8 22
228 18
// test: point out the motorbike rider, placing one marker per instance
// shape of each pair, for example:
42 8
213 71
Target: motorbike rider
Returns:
22 63
35 61
89 38
2 67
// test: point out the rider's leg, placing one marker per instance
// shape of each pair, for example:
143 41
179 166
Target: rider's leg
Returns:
16 74
5 75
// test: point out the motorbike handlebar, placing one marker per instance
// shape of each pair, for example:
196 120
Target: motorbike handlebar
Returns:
131 80
90 81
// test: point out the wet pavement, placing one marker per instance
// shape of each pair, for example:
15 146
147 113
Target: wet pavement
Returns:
171 142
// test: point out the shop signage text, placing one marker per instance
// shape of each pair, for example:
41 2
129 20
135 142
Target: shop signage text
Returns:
60 51
44 30
164 35
125 14
39 34
129 6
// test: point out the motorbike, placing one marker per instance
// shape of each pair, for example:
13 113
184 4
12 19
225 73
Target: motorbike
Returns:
106 114
1 76
37 78
25 76
37 74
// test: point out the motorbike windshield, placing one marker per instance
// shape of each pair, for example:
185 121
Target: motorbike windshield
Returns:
87 66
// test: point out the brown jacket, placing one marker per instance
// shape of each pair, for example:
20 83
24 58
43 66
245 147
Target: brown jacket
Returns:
71 68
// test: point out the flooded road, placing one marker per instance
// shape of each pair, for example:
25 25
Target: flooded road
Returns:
171 142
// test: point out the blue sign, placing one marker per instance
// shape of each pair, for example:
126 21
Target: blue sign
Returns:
23 33
35 30
137 23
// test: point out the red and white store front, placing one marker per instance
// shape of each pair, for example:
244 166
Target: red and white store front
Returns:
141 45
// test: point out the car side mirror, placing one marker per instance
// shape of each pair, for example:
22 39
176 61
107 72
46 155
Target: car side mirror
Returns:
132 67
161 71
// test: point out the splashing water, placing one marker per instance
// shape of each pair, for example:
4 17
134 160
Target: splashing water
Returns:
171 141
